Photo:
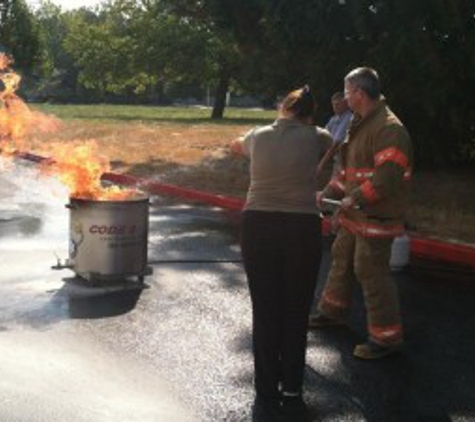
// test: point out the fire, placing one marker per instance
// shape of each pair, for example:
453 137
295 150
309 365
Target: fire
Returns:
10 80
77 164
13 115
16 118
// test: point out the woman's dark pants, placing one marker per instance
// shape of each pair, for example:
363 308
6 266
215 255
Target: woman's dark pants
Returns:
281 254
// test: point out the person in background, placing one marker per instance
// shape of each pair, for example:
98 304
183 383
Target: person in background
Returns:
281 249
337 126
376 166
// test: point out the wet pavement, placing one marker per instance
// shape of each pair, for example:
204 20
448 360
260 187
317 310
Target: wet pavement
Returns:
180 349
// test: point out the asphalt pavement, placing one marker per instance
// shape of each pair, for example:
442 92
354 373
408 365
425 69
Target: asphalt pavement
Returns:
179 349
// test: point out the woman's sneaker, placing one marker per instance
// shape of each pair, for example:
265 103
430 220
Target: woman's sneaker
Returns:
266 410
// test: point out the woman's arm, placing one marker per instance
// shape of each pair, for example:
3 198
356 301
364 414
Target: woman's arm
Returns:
327 157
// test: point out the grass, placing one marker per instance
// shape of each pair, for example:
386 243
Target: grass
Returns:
183 146
156 115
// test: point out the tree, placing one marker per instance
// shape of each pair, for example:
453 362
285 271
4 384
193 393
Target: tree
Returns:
139 47
424 52
60 79
222 47
19 34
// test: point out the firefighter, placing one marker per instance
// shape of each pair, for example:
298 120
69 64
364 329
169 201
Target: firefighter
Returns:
373 186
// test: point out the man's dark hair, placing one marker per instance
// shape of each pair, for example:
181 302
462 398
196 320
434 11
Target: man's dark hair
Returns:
366 79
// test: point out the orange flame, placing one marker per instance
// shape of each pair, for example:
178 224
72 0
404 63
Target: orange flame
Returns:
16 119
12 114
80 167
78 164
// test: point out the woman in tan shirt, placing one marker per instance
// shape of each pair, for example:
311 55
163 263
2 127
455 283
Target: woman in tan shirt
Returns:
281 249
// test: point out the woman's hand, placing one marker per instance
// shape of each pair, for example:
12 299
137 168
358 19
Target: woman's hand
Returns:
236 147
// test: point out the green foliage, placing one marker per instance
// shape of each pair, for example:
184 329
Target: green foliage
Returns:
19 33
53 29
423 51
221 50
139 47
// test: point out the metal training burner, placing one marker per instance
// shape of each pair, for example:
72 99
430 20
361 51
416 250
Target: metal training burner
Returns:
108 238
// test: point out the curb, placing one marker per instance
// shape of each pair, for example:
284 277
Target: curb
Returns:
437 250
420 247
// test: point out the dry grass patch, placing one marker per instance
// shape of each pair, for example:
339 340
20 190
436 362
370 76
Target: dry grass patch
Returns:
443 204
191 155
132 144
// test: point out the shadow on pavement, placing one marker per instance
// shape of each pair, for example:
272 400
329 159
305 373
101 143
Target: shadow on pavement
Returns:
91 302
109 305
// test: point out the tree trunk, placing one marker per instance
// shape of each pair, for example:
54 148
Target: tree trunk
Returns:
220 96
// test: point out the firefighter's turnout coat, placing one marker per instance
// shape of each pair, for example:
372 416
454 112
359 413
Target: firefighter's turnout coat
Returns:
377 162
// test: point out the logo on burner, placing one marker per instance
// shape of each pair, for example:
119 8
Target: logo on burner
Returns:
117 230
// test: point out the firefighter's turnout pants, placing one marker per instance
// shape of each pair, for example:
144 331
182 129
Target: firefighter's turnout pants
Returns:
365 260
